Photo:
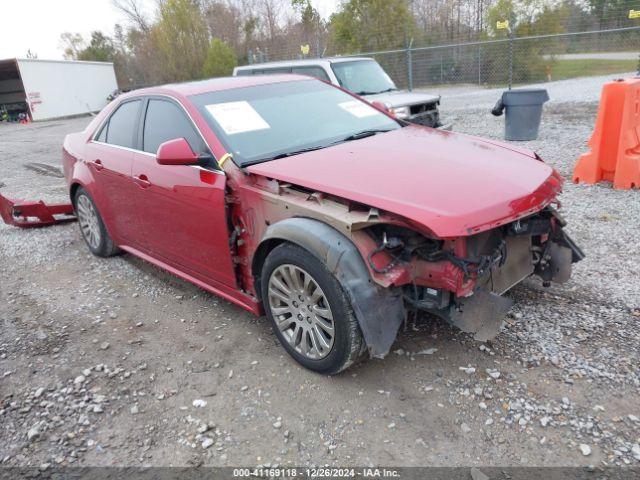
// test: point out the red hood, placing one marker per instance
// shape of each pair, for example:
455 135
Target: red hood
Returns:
452 184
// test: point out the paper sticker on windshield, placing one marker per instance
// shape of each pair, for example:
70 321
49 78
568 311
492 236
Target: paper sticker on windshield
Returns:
237 117
358 109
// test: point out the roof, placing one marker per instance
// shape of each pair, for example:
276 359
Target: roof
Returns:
221 83
306 61
42 60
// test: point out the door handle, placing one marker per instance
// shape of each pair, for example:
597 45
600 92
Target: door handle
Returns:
142 180
97 164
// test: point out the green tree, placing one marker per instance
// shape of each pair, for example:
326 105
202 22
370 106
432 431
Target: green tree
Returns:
362 25
309 16
180 40
532 59
611 13
71 44
220 61
100 49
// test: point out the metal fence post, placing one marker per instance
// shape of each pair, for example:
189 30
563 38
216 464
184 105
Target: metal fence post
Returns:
479 65
512 23
409 66
510 59
249 56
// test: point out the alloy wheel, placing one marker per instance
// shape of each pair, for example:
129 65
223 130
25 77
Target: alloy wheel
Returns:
301 311
88 220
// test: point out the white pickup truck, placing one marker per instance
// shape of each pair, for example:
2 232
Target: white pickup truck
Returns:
362 76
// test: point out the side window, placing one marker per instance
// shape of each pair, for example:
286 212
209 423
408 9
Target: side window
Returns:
276 71
166 121
245 73
120 129
312 71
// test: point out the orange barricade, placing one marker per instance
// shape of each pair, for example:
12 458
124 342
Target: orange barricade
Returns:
615 142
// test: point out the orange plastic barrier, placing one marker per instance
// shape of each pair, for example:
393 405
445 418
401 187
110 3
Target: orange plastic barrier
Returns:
615 142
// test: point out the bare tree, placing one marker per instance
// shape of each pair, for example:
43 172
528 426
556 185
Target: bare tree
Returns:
134 12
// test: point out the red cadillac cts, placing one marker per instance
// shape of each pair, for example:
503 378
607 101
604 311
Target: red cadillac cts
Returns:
289 196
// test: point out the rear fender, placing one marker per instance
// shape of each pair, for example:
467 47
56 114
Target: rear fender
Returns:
379 311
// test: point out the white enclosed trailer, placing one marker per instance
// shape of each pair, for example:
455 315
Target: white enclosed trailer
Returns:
48 89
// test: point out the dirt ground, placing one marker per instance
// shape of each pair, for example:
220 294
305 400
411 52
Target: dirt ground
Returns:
114 362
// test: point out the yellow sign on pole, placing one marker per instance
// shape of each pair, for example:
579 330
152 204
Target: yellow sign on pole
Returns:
502 25
634 13
304 49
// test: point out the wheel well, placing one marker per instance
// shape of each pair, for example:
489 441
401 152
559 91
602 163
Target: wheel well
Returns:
72 192
259 257
379 311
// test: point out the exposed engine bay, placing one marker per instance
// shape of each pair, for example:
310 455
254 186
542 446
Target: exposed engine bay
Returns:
480 271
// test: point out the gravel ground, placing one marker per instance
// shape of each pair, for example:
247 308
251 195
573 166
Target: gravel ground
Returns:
114 362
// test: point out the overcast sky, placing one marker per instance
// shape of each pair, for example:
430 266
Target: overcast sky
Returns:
37 24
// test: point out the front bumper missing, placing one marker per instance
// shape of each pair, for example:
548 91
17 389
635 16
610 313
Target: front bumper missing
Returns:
34 214
483 312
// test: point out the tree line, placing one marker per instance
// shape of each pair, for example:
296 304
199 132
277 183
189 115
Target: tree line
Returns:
192 39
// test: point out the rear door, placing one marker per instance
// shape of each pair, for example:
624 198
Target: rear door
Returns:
181 208
110 158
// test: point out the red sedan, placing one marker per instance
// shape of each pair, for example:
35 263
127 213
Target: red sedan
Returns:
292 197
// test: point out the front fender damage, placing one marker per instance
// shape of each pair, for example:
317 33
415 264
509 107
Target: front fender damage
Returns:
379 311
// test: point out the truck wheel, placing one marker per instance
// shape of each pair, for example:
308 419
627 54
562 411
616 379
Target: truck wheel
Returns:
310 313
92 227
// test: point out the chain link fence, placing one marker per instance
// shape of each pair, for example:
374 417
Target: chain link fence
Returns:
497 61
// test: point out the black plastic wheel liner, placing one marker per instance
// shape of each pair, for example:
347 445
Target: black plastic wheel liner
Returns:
380 311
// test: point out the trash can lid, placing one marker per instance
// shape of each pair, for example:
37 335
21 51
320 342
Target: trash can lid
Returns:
525 96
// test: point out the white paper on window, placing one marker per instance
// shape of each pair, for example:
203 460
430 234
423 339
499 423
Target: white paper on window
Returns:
358 109
237 117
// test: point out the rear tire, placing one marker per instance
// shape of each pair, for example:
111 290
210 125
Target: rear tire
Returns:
92 227
309 310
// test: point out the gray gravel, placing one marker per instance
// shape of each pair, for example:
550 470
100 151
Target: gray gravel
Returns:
113 362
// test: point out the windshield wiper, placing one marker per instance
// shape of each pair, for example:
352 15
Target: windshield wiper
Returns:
364 92
283 155
349 138
364 134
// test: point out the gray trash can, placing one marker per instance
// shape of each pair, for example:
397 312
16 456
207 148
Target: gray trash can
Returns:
524 110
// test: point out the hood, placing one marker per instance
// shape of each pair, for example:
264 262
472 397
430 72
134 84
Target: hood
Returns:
451 184
400 98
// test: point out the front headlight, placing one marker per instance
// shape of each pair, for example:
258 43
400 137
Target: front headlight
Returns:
400 112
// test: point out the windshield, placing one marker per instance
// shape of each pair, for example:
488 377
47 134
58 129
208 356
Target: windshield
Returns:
258 123
364 77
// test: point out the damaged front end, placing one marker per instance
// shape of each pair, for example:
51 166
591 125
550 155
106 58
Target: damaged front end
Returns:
463 280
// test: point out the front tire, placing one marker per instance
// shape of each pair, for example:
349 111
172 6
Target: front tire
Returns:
92 227
309 310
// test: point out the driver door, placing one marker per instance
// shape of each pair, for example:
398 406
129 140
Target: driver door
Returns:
181 207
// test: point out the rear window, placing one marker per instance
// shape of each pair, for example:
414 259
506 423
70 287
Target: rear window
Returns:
264 71
312 71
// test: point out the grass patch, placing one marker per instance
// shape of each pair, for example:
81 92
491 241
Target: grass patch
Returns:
572 68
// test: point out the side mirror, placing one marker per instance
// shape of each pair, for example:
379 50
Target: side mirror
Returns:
176 152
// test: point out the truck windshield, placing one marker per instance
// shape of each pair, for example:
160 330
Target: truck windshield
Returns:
363 77
265 122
